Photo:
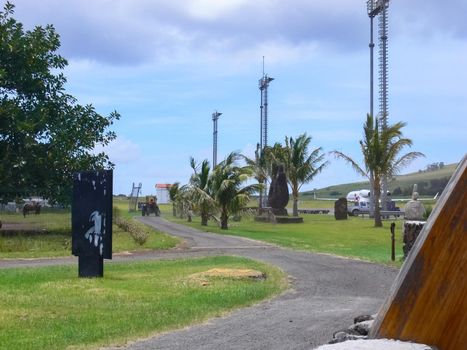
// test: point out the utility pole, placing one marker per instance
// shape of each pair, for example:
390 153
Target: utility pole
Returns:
215 117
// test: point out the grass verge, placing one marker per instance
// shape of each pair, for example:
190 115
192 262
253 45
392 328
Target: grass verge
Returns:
355 237
50 308
49 235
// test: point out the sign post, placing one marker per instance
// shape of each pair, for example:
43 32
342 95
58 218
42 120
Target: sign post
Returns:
91 221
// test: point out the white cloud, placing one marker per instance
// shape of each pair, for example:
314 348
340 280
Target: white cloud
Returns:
121 151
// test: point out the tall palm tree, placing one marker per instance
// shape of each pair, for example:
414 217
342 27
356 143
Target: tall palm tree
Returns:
380 149
227 188
184 202
300 166
173 191
259 167
201 191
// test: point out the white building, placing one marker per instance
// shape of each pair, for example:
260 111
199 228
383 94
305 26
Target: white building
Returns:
162 193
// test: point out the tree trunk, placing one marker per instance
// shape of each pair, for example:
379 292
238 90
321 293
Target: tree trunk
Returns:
295 206
204 219
260 204
378 222
372 195
295 201
174 211
224 220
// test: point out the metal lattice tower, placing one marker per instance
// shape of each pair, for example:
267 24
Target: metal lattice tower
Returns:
135 190
263 85
380 8
215 118
383 64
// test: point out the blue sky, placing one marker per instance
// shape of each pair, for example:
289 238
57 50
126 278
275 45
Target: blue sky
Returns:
166 66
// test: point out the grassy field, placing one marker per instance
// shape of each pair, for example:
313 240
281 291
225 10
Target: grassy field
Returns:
50 308
355 237
49 235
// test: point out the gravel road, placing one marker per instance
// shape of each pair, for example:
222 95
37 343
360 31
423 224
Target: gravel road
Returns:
326 293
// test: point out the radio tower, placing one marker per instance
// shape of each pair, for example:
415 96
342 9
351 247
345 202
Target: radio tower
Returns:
215 117
375 8
263 85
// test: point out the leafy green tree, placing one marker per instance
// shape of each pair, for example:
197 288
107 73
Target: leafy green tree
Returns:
227 187
381 149
201 190
300 166
45 135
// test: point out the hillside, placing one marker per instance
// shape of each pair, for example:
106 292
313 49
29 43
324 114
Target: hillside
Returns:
429 183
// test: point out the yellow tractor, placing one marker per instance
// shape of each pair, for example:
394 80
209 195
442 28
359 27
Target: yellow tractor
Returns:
150 206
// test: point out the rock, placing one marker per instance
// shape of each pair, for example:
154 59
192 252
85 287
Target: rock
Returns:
278 191
362 328
414 209
362 318
375 344
411 231
340 209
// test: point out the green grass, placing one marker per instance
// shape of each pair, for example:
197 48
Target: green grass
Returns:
50 308
355 237
53 237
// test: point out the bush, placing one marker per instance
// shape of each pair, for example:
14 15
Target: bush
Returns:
427 212
136 230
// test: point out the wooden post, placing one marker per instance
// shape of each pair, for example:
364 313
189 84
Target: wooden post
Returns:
428 300
393 241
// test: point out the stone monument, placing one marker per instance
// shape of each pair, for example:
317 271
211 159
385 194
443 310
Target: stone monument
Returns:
414 209
413 223
340 209
278 191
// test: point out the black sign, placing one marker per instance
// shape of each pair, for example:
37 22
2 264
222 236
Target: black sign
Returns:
91 216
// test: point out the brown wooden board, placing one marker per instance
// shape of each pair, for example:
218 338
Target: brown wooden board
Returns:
428 300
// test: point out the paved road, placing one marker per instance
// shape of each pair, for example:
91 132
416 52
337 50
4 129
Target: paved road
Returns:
327 292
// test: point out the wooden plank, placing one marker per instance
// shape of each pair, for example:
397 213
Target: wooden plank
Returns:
428 300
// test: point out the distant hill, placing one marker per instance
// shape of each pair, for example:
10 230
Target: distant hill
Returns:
429 183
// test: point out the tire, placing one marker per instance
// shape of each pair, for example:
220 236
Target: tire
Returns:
355 212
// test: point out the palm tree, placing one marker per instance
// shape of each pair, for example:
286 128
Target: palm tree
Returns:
184 202
380 149
200 186
227 187
259 166
301 167
173 191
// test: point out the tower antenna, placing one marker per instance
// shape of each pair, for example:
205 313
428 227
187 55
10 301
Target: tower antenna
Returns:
263 85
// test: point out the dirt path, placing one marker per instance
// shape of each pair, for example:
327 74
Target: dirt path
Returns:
327 292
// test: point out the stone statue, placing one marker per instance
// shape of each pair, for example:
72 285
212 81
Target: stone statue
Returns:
340 209
278 191
414 209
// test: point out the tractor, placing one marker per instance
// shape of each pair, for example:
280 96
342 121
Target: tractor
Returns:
150 206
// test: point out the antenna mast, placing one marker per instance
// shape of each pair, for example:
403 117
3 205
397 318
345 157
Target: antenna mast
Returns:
215 117
263 85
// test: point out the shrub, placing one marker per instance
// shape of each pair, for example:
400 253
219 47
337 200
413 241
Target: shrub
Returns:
136 230
427 212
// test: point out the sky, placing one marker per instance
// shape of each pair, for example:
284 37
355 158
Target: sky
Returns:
166 66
